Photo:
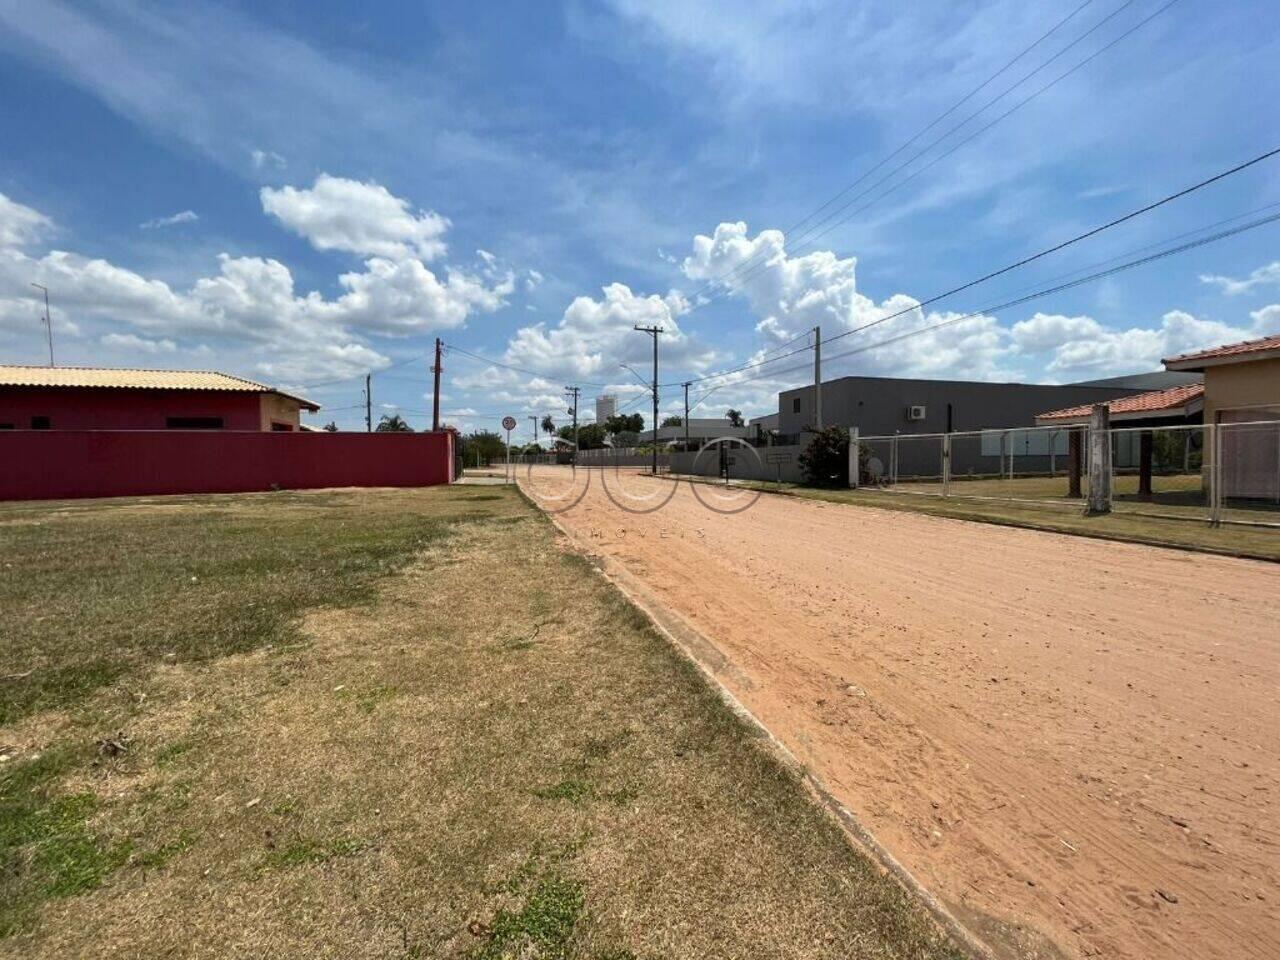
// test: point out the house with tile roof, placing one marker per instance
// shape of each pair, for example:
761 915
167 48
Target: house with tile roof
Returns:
103 398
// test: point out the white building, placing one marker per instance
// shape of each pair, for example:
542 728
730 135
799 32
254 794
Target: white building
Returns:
606 407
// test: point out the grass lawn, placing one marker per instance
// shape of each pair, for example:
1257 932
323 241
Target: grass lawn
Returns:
1128 521
384 724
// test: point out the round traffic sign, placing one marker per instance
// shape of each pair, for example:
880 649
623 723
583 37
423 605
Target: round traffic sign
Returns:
508 423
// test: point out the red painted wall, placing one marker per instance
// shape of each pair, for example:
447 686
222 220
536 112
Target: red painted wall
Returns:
55 464
71 408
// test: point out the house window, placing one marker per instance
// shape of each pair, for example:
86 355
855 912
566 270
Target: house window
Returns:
278 427
40 423
795 405
6 426
193 423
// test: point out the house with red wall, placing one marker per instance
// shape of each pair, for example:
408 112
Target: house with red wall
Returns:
103 398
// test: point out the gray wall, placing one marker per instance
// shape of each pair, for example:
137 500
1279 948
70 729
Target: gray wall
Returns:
741 464
877 405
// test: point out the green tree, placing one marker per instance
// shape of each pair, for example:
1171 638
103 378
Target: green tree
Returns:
825 461
548 425
624 423
482 446
330 427
735 417
392 423
673 421
590 435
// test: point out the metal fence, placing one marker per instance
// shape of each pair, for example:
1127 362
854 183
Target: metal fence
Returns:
1224 473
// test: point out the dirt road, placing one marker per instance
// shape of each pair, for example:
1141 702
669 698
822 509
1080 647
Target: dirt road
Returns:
1062 738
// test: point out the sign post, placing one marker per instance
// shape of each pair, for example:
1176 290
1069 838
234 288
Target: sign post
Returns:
508 424
778 459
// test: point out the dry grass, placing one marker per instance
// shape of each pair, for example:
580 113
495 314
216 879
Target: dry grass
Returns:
457 741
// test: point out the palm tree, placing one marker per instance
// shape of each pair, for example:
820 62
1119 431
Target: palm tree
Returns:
548 425
393 423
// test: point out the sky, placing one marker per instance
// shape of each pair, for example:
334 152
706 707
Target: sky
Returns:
302 194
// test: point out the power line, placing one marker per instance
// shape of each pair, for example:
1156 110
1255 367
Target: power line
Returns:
977 133
1099 275
1186 191
933 123
509 366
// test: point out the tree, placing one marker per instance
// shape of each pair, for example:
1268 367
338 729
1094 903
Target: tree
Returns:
483 446
590 435
548 425
673 421
825 461
624 423
735 417
330 427
392 423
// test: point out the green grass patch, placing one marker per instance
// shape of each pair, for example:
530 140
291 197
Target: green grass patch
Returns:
305 850
542 927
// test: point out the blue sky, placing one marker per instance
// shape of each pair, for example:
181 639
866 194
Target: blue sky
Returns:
300 194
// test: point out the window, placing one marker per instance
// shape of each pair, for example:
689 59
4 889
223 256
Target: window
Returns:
193 423
279 427
6 426
40 423
795 405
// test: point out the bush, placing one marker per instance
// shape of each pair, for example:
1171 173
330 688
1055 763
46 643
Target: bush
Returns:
825 462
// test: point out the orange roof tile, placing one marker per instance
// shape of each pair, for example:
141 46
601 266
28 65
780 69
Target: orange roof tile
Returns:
1229 353
15 375
1157 401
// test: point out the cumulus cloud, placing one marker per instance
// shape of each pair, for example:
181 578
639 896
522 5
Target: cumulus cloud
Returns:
20 224
358 217
136 344
252 301
185 216
1264 276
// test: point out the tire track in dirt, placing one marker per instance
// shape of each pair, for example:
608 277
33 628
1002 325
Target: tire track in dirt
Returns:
1055 733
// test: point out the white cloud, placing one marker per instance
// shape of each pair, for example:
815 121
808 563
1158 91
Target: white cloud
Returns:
252 301
184 216
267 158
359 217
1263 276
134 343
1267 320
20 224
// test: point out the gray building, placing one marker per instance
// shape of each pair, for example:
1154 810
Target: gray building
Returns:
885 406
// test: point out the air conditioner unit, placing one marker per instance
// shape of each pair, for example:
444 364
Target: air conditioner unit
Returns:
915 413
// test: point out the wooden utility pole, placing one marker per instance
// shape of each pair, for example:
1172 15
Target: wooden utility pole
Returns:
368 403
686 416
435 392
574 391
654 332
817 377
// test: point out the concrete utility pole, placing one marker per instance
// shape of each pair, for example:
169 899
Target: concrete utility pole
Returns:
574 391
1099 460
368 403
654 332
534 418
817 377
48 319
686 416
435 393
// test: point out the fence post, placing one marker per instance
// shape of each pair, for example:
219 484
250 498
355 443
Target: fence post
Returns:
1213 439
1099 460
854 460
946 464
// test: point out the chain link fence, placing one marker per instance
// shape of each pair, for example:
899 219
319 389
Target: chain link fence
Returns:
1171 472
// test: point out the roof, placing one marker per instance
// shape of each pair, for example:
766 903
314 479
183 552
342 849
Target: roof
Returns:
13 375
1155 380
1176 401
1265 348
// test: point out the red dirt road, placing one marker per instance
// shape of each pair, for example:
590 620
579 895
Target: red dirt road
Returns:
1072 743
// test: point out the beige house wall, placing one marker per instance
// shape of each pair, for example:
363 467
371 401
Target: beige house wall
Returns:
279 409
1248 385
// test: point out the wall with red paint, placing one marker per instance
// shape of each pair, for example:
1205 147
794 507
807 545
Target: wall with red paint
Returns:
56 464
72 408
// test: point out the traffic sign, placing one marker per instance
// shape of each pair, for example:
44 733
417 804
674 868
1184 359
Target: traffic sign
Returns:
508 423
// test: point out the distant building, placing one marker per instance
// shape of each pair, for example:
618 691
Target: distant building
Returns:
606 407
882 406
700 430
102 398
